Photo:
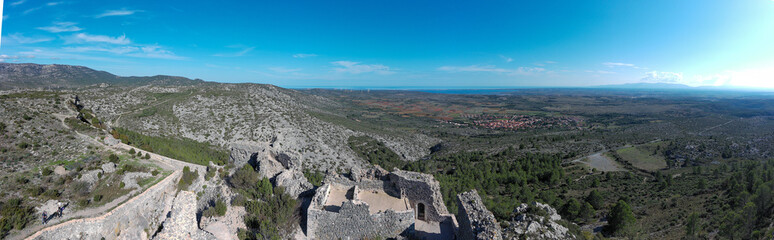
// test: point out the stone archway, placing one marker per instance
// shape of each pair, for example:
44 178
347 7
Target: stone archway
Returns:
421 211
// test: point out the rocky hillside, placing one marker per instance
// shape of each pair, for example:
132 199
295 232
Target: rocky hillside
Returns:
55 76
306 128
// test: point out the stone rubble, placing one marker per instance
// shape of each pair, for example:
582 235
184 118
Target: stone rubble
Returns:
476 222
526 225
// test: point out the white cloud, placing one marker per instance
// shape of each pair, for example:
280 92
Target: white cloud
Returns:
549 62
115 50
304 55
600 72
58 27
21 39
51 4
18 2
493 69
284 70
122 12
662 77
156 52
240 53
357 68
618 64
506 59
83 37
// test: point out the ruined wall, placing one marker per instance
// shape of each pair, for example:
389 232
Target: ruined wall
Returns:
181 223
421 188
476 222
353 221
138 218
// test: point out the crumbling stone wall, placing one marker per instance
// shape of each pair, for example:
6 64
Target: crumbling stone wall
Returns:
138 218
181 223
353 221
476 222
421 188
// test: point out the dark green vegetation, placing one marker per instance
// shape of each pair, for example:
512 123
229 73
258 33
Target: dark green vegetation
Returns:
375 152
271 212
178 148
14 214
218 209
187 178
678 149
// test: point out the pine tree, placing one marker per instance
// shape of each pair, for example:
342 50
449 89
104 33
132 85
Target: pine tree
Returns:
621 220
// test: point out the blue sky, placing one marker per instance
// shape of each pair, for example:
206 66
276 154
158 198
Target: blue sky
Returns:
436 44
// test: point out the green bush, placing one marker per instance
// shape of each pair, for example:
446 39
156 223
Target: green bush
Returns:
113 158
46 171
218 210
187 179
314 177
14 214
131 151
97 198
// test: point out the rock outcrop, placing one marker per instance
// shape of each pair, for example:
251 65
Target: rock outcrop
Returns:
476 222
529 225
181 222
294 182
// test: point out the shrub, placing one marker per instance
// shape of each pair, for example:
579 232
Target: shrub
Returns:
187 179
218 210
113 158
210 173
131 151
147 155
97 198
23 145
46 171
14 215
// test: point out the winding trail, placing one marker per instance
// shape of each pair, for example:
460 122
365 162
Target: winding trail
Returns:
100 213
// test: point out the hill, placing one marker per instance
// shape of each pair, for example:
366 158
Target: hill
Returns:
56 76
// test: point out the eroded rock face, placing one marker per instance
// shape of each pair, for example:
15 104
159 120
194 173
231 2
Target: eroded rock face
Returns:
476 222
294 182
533 226
181 223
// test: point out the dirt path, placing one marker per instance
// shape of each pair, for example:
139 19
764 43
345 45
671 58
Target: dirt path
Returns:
91 214
719 125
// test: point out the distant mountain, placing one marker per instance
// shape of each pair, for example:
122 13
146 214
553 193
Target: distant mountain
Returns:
29 75
646 86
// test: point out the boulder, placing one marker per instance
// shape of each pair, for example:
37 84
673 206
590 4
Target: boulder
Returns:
59 170
294 182
91 177
476 222
109 167
527 225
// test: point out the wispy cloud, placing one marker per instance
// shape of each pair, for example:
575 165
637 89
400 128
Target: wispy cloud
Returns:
115 50
304 55
122 12
506 59
51 4
21 39
244 50
357 68
550 62
600 72
17 3
618 64
14 58
58 27
28 11
662 77
83 37
156 52
493 69
284 70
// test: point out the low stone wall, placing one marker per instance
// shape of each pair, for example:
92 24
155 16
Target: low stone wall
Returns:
475 221
138 218
353 221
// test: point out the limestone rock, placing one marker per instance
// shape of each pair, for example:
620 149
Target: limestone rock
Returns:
181 222
130 179
294 182
476 222
91 177
110 141
532 226
59 170
109 167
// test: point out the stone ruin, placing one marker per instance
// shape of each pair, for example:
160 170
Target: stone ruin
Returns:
387 205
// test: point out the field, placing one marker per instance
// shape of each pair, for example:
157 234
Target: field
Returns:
640 157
